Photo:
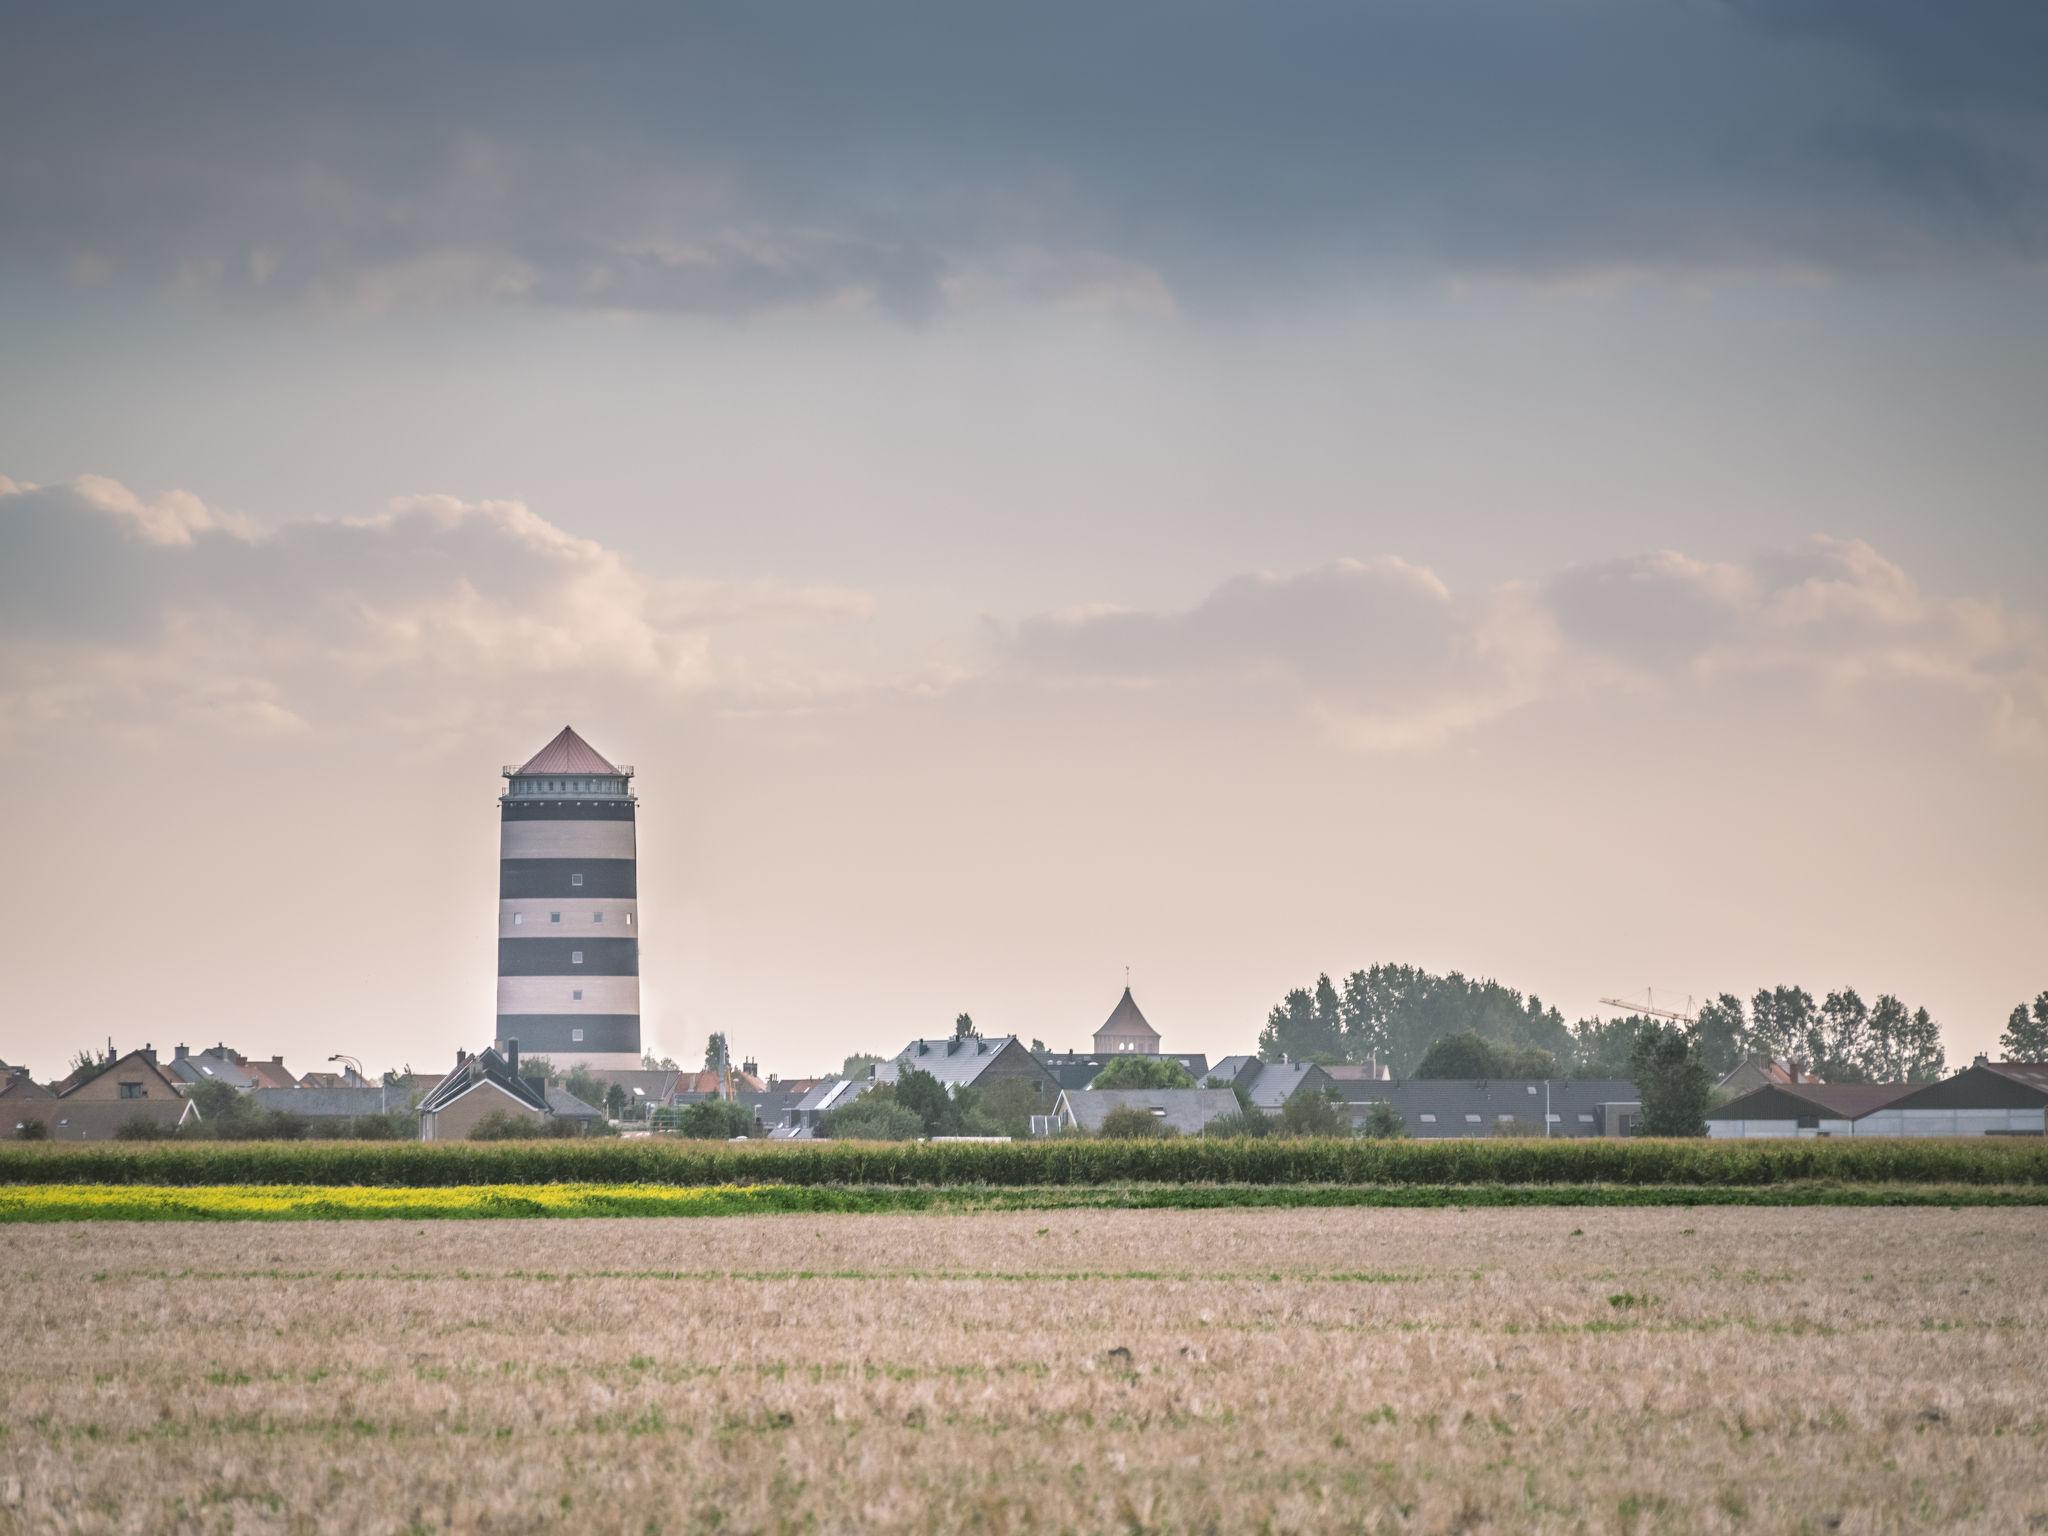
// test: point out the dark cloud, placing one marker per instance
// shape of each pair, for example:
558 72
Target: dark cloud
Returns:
730 159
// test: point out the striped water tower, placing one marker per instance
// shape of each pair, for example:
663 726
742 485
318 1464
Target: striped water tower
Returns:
568 909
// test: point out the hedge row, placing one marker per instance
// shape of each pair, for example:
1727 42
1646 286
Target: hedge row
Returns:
1980 1160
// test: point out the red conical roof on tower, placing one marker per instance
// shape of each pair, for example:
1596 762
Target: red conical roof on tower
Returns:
567 753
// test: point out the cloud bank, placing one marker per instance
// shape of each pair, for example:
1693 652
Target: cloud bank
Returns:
913 156
1390 657
119 607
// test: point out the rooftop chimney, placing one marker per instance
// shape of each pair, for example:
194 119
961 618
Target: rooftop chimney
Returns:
1981 1061
182 1053
751 1067
512 1057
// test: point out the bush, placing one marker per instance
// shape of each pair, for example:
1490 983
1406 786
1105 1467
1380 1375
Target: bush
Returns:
1144 1072
881 1120
1313 1114
1129 1123
502 1125
1643 1162
140 1128
1383 1122
32 1130
715 1120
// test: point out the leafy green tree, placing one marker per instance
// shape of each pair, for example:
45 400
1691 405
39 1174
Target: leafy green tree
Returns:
923 1095
1009 1105
31 1130
963 1028
1840 1049
1144 1072
1461 1055
591 1090
1038 1048
858 1065
1383 1122
715 1052
1312 1114
615 1101
1784 1023
651 1063
2026 1032
1723 1033
1605 1047
1674 1083
1903 1047
715 1120
1129 1123
541 1067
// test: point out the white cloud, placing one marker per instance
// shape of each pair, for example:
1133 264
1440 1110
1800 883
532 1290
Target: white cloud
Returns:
116 606
1388 656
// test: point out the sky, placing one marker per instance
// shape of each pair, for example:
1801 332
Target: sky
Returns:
1547 490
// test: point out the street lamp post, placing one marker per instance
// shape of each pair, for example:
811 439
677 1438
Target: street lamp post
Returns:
383 1088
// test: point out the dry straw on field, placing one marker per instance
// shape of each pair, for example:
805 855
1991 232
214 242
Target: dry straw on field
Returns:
1429 1371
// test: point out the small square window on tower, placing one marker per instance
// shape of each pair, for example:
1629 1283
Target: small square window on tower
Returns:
597 917
575 879
575 957
554 917
576 995
629 919
518 918
576 1036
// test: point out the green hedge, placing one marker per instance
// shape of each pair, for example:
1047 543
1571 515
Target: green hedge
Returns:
1980 1160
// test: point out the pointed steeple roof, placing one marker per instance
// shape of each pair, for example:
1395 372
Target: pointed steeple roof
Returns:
567 753
1127 1019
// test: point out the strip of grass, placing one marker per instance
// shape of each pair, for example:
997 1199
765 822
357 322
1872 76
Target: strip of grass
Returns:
1034 1164
299 1202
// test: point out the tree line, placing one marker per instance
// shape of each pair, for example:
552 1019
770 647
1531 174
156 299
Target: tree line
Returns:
1395 1014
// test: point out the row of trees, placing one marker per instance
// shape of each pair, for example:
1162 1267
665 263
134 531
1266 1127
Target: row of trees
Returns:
1397 1014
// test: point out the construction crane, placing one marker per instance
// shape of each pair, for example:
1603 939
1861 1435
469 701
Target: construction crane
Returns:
1649 1009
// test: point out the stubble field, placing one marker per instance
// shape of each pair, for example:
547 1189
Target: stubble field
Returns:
1232 1370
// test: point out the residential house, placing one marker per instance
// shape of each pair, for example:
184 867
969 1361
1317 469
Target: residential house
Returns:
1435 1109
1763 1072
217 1064
972 1063
644 1089
269 1074
1185 1111
1269 1084
565 1106
479 1085
133 1078
16 1084
800 1120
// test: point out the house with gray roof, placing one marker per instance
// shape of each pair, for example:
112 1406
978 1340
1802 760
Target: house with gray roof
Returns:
214 1065
481 1085
1184 1111
971 1063
1268 1084
800 1120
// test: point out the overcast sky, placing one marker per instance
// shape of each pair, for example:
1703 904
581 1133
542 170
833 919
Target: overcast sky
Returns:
1548 490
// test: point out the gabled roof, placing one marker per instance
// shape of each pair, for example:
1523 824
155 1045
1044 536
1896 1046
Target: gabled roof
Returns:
2033 1074
1186 1110
1835 1101
954 1062
564 1105
567 753
1982 1085
1279 1081
486 1066
213 1067
83 1075
1127 1020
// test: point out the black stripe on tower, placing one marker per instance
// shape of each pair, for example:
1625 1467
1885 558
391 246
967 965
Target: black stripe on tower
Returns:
557 877
568 810
542 1034
557 957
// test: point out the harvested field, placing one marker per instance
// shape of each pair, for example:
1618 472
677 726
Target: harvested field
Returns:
1624 1370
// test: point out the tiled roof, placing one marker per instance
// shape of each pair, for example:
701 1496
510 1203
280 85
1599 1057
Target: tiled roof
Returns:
954 1062
329 1103
1837 1101
2033 1073
567 753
